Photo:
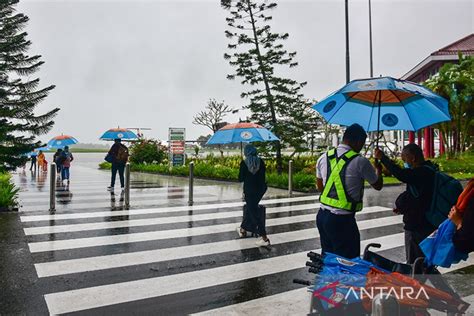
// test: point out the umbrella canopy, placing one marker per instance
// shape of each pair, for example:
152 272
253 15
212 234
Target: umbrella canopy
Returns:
384 104
36 151
241 133
61 141
119 133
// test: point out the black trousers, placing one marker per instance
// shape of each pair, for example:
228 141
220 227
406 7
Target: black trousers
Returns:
412 248
120 167
254 218
338 234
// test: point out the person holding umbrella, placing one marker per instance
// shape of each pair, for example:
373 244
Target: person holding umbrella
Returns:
118 156
341 173
65 160
252 174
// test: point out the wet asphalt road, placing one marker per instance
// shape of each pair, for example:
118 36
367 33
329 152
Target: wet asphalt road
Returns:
163 257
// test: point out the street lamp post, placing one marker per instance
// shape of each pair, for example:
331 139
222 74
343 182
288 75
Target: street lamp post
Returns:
348 75
370 41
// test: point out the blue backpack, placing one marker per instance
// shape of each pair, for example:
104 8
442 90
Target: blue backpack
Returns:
446 191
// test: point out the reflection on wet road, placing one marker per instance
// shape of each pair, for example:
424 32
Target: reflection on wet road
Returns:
164 257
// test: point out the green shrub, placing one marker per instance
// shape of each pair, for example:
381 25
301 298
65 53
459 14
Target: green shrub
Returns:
8 191
147 151
105 165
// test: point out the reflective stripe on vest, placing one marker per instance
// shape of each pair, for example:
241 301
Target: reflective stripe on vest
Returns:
335 173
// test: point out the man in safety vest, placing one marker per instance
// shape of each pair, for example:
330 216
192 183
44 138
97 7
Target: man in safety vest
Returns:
341 173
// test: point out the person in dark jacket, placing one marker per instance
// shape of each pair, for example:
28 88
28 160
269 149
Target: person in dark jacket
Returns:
463 217
118 162
413 203
33 162
57 161
252 174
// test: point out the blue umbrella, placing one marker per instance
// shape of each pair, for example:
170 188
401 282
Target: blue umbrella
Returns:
61 141
119 133
241 133
384 104
36 151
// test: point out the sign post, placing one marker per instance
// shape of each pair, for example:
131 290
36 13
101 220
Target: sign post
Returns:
176 141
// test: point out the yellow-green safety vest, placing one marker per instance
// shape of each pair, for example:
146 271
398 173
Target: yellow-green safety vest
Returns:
335 193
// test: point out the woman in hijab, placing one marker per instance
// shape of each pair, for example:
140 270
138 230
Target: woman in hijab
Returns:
252 174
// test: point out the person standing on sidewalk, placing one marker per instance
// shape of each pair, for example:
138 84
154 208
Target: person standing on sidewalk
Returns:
419 175
341 173
118 154
252 174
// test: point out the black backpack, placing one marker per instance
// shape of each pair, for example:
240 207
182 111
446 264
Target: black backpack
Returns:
446 191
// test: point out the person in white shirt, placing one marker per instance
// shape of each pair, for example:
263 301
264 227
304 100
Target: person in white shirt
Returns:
340 177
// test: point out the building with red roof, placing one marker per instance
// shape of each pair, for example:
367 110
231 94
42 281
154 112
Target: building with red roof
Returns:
429 67
449 54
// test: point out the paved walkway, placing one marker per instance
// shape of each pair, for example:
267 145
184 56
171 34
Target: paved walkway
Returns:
164 257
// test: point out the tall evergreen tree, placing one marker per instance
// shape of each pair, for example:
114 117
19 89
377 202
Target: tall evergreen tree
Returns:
257 55
19 95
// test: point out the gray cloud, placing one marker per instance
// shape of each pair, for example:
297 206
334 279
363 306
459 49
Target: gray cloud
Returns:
156 63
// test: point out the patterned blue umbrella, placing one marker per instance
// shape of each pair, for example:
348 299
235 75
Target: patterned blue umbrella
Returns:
119 133
241 133
384 104
61 141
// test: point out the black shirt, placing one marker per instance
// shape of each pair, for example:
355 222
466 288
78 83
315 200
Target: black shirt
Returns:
253 183
413 207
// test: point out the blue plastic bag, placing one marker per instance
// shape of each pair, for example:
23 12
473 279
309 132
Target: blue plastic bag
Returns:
439 248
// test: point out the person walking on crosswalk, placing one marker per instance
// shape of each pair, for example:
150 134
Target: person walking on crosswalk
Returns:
118 154
252 174
341 173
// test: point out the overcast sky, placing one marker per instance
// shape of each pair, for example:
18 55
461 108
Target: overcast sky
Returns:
156 63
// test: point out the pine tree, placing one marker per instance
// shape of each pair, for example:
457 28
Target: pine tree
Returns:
19 96
258 54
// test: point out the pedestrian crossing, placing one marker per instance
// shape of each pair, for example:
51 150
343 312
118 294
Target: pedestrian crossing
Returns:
163 256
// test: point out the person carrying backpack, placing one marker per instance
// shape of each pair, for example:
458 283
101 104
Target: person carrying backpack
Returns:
118 156
65 160
421 200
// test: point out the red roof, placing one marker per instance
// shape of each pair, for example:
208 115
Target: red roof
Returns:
241 125
465 45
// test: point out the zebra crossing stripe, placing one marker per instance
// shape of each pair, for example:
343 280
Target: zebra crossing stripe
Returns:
106 204
54 229
34 218
98 198
294 302
104 295
154 235
155 221
135 258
